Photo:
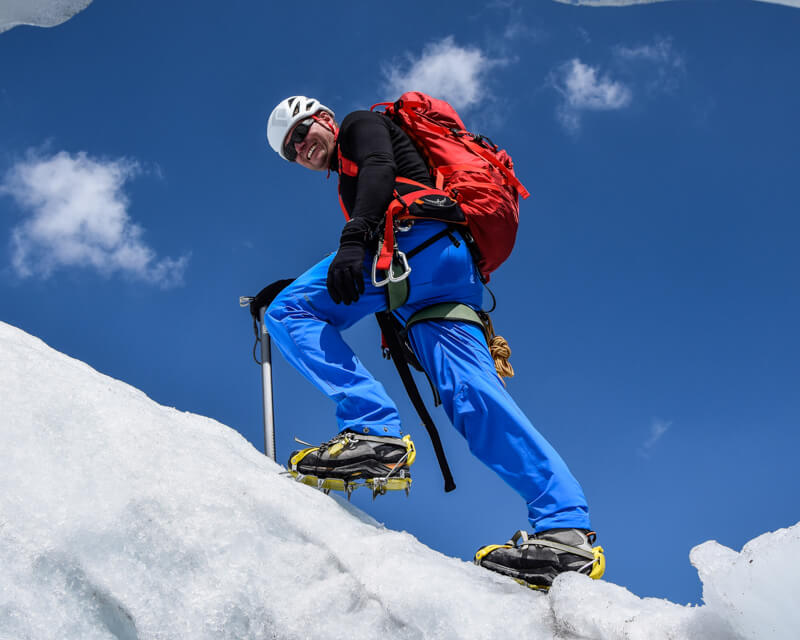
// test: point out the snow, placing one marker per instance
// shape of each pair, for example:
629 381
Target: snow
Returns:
39 13
121 518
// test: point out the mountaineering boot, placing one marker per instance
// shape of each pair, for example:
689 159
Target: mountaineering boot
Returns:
536 559
350 460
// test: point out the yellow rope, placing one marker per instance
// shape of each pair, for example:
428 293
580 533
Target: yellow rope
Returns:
500 350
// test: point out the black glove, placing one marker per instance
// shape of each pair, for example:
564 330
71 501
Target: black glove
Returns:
346 273
265 297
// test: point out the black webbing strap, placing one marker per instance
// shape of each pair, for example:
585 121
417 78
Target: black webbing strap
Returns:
397 292
434 238
398 357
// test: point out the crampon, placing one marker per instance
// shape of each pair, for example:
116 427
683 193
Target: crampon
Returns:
351 460
534 560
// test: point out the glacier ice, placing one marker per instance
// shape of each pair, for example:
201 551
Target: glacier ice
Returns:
121 518
625 3
39 13
756 589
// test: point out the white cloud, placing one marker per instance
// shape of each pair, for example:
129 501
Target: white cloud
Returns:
669 65
584 89
657 429
624 3
445 70
39 13
76 215
660 52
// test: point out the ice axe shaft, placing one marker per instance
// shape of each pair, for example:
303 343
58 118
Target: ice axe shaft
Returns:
266 383
258 307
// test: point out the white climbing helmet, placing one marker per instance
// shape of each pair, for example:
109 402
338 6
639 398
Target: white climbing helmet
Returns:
288 113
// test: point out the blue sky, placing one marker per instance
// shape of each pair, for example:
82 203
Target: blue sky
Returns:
651 303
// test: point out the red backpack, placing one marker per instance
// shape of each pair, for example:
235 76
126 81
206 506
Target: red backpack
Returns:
468 168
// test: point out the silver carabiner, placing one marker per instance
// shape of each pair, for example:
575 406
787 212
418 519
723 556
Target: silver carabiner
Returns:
404 263
390 277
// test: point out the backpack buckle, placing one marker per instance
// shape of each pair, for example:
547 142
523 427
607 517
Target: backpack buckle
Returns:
390 277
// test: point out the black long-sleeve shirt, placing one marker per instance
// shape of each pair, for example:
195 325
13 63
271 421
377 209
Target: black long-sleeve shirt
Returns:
381 151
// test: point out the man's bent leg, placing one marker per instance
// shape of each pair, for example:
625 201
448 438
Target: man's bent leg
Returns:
305 324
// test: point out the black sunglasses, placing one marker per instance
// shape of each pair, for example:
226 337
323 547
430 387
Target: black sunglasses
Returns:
298 135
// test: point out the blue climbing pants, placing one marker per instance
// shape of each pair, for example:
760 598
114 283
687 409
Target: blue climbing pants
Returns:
305 324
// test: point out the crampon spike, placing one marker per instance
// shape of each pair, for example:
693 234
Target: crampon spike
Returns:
379 487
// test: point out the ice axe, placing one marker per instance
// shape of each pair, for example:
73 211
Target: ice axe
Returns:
258 306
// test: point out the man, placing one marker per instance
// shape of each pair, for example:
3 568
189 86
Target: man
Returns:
370 152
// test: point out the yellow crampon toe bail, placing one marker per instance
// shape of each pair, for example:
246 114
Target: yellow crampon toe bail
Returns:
599 566
481 553
297 457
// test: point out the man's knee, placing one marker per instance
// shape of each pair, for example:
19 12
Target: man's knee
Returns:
281 308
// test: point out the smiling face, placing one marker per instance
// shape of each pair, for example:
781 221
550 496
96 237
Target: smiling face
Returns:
315 150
